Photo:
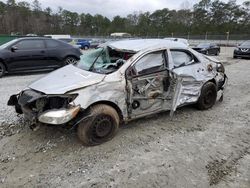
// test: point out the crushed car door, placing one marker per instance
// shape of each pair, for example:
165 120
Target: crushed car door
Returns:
148 85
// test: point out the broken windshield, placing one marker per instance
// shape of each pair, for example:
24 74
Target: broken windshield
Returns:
103 60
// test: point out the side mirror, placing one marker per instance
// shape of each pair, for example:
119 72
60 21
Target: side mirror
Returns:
14 48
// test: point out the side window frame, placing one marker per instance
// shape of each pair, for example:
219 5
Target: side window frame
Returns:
131 72
194 58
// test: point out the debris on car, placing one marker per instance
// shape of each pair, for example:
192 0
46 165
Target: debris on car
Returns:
119 82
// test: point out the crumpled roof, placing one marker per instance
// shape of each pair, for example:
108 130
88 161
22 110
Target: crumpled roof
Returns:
141 44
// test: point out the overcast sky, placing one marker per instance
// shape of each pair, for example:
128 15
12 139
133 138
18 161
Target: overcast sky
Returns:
111 8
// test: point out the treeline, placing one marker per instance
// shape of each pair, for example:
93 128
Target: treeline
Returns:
212 16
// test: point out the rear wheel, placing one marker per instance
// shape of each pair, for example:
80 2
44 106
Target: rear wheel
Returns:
208 96
101 127
2 69
70 60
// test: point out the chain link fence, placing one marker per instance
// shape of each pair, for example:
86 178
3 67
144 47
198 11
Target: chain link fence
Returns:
223 40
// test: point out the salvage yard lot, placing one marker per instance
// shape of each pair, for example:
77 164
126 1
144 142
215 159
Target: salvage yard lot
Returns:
195 149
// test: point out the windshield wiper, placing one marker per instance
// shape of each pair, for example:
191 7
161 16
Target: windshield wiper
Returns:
93 64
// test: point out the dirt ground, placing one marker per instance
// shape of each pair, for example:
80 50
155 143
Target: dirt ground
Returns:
195 149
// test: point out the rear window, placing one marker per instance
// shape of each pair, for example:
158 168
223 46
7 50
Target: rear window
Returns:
52 43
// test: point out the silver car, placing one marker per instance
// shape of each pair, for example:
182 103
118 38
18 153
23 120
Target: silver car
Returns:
119 82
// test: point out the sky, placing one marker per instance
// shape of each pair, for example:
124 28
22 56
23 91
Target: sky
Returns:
111 8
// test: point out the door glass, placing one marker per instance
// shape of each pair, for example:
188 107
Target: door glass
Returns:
181 58
150 63
30 44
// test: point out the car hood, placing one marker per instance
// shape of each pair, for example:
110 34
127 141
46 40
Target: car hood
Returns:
66 79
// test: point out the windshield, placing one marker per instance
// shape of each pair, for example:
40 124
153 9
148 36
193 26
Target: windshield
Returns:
246 44
103 60
203 45
8 44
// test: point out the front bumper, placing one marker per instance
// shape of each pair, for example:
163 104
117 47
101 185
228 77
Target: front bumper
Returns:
36 108
238 53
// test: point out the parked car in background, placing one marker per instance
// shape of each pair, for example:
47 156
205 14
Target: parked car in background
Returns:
184 41
36 54
96 42
243 50
208 48
121 81
70 41
83 43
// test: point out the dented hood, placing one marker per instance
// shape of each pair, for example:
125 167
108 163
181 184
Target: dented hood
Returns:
66 79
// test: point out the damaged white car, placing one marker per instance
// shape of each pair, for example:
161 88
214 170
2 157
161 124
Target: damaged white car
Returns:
121 81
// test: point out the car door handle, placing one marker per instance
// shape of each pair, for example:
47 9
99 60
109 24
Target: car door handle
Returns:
42 51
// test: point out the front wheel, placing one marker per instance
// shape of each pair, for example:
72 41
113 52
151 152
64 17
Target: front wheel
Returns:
208 96
101 127
2 69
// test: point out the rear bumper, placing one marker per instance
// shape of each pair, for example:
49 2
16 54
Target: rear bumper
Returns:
222 88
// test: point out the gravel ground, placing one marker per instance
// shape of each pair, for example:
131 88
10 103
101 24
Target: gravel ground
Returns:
195 149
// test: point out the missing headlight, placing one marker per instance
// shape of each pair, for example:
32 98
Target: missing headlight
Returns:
40 104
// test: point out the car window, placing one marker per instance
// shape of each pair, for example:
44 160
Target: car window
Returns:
181 58
52 43
150 63
30 44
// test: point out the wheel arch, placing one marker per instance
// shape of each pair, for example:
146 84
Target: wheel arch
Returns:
214 81
109 103
71 55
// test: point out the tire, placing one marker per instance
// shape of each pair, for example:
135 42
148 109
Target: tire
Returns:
2 69
217 53
208 96
85 47
70 60
101 128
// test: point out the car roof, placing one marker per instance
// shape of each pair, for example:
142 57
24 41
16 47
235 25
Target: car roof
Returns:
142 44
32 38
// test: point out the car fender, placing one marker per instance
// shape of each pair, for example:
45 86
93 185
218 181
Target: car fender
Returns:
99 92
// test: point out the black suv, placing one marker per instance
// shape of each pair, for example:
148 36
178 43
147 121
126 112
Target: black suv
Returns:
243 50
36 54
